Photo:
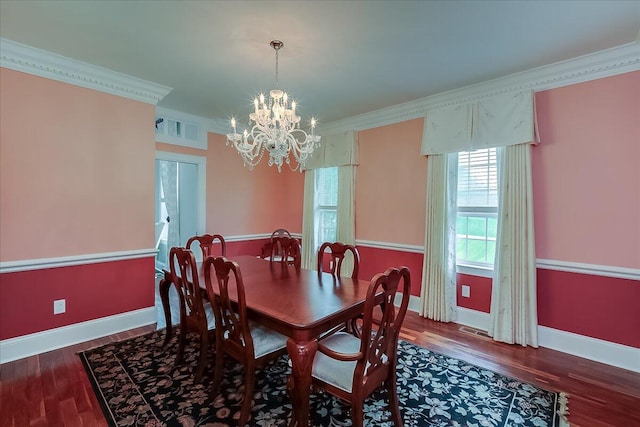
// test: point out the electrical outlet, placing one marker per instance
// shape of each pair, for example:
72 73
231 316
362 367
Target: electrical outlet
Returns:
59 306
466 291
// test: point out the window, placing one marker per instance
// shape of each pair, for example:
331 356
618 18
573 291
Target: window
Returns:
477 218
326 205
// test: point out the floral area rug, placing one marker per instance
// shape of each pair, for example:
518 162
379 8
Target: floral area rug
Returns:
138 384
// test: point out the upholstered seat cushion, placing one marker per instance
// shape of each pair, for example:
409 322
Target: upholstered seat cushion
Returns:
332 371
278 258
174 305
266 340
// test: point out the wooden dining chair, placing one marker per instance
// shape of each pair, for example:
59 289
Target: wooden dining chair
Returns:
352 368
268 250
337 252
193 317
206 243
290 253
250 344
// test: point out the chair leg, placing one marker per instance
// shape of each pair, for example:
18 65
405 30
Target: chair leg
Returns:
393 402
182 339
217 372
249 384
354 327
357 410
204 350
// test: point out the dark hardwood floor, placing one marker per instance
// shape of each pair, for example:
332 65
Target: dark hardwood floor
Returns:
52 389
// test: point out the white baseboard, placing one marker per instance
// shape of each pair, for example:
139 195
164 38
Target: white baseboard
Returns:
41 342
474 318
618 355
621 356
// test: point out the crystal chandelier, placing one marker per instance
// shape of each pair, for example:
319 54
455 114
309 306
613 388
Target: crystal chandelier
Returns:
276 129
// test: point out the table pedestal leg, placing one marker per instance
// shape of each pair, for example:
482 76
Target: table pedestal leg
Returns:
299 383
164 296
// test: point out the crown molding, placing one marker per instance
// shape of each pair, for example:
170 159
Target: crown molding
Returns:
220 126
606 63
27 59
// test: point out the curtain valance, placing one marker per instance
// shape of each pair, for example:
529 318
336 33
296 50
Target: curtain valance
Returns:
335 150
496 121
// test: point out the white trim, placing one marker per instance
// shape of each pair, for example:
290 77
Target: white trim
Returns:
201 123
598 350
475 271
401 247
219 126
591 269
241 238
42 263
474 318
597 65
610 353
414 302
201 163
70 261
27 59
53 339
546 264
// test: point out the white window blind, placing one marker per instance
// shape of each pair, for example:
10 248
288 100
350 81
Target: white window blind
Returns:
326 211
477 222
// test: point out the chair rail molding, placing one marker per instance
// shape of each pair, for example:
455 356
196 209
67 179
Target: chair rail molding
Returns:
67 261
546 264
19 57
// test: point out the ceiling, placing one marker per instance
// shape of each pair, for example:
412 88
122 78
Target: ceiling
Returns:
340 58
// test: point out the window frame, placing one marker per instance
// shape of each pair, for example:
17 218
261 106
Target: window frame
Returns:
466 266
323 208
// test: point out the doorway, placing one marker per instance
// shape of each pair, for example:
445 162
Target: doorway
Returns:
179 201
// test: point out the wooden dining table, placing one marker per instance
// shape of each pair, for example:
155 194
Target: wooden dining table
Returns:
301 304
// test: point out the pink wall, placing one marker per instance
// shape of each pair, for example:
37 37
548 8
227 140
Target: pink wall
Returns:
76 178
391 184
479 292
240 201
75 170
91 291
376 260
595 306
586 179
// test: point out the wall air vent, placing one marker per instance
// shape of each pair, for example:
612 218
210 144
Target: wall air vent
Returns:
172 127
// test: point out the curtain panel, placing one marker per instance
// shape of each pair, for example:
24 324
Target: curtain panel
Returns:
339 150
438 290
514 311
496 121
308 229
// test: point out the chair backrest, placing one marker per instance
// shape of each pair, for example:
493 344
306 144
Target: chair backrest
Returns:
275 245
184 271
337 251
379 345
232 324
206 242
290 252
